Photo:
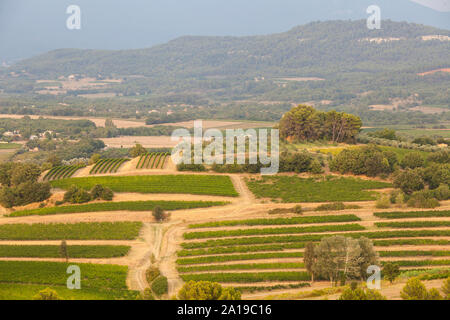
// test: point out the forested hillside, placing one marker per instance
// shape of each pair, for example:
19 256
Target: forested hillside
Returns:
336 64
317 49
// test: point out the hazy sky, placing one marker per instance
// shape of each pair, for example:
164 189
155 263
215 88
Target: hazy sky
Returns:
29 27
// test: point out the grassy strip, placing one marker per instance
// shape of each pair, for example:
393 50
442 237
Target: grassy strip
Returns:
415 214
413 224
254 266
251 289
188 184
75 231
278 221
55 273
249 232
314 237
419 263
415 253
248 277
49 251
237 257
239 249
118 206
411 242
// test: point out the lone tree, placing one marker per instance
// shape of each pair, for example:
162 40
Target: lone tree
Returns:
160 215
391 271
310 258
137 150
63 250
338 258
341 258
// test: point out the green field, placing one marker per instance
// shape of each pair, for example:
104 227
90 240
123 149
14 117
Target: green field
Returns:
181 184
52 251
251 266
4 146
294 189
118 206
24 279
75 231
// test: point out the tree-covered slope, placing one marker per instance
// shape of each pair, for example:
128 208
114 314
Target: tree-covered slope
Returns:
318 49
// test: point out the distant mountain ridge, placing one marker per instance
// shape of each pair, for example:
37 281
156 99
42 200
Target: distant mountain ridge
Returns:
316 49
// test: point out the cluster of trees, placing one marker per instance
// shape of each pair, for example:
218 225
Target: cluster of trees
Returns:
424 183
388 134
79 195
306 123
20 186
416 290
368 160
339 259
